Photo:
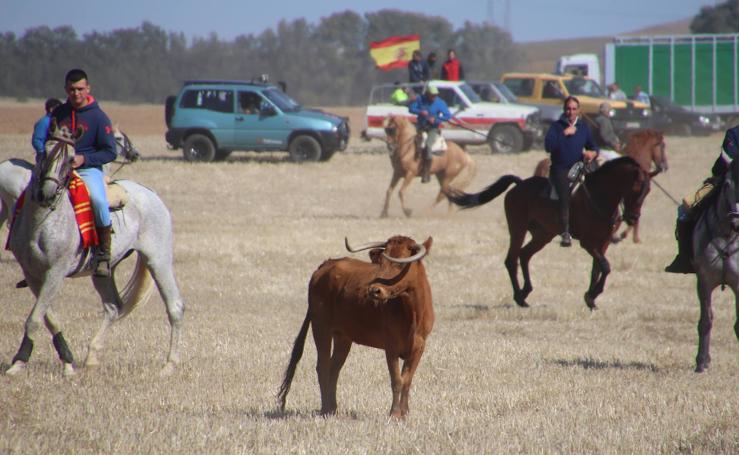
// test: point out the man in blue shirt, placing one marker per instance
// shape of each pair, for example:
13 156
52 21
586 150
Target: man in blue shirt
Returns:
431 111
41 128
689 212
568 141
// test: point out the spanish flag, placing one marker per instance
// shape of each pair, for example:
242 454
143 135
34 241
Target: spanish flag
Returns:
394 52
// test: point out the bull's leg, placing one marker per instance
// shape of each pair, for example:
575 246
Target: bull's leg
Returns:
598 274
538 241
393 181
342 345
703 359
409 369
401 192
396 382
323 368
44 292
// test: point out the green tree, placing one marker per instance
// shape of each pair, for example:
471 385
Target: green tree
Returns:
722 18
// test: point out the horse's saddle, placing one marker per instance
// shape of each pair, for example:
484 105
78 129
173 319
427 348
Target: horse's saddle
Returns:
576 175
437 147
117 196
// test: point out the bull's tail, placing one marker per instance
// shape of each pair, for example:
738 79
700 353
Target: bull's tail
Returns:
297 353
467 201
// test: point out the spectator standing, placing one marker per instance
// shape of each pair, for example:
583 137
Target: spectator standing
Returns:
399 95
641 95
41 128
452 69
431 64
615 92
418 70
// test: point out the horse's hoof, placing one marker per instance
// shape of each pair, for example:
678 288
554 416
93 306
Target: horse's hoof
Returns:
408 212
383 215
615 239
521 301
16 368
167 370
590 302
69 370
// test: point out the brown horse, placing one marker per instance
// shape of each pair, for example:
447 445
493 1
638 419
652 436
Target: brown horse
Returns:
646 147
406 162
594 215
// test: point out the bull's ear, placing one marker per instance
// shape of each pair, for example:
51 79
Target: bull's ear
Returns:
375 255
428 243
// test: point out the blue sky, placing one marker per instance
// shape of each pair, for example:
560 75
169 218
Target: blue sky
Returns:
530 20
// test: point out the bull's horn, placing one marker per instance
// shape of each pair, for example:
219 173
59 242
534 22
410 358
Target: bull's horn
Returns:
366 246
416 257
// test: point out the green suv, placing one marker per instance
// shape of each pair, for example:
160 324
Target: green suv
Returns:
211 119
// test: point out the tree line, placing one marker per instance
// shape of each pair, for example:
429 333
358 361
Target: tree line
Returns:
326 63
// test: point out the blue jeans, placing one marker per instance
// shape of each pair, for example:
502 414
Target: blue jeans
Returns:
93 178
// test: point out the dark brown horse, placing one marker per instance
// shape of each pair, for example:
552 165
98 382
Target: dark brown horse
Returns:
406 162
594 216
646 147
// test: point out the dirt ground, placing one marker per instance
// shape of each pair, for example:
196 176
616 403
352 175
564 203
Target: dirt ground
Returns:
495 378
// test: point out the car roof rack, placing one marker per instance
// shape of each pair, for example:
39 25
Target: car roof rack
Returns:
223 82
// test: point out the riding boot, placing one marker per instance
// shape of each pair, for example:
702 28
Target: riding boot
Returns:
565 237
101 261
425 170
684 235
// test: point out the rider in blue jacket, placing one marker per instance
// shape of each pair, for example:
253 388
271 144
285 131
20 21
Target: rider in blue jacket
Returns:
41 128
568 141
95 147
687 216
431 111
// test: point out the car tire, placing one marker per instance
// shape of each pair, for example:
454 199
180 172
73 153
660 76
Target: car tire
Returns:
304 148
198 147
505 139
222 155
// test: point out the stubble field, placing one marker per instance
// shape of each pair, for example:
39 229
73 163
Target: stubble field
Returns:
495 378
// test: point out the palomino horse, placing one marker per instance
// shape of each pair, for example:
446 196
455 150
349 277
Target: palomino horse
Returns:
594 215
47 218
15 173
646 147
406 162
716 258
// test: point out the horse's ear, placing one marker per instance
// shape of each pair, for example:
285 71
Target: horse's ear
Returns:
53 126
79 132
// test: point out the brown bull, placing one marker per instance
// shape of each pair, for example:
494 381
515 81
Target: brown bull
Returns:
384 304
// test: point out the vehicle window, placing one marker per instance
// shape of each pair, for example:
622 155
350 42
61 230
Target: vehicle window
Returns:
281 100
450 97
486 94
585 87
520 86
551 90
506 92
469 93
249 102
209 99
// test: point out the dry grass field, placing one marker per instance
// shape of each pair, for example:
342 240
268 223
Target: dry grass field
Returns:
495 378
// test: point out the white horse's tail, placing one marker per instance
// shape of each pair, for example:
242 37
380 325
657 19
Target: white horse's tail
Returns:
137 290
466 175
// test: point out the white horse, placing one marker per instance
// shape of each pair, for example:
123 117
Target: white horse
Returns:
15 173
716 258
46 243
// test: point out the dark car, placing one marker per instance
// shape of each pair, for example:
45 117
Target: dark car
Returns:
673 118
